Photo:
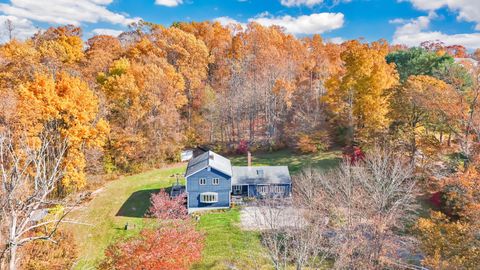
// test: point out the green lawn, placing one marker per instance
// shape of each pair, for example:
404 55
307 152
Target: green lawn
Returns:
126 200
120 201
228 247
294 161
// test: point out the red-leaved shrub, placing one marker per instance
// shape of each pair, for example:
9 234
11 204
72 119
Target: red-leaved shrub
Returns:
354 154
242 147
163 207
436 199
175 245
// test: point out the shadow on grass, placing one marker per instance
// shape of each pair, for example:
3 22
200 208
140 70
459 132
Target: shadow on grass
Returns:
138 203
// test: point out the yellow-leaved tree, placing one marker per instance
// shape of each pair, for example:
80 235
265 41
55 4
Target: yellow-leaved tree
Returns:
63 104
60 46
448 244
357 94
144 96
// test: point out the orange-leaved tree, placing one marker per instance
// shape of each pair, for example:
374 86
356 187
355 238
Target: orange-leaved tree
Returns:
175 245
449 239
448 244
144 98
423 102
65 105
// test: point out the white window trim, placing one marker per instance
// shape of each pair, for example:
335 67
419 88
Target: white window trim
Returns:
262 189
216 181
209 197
237 189
204 180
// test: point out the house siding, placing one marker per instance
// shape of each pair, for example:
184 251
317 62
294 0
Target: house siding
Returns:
194 189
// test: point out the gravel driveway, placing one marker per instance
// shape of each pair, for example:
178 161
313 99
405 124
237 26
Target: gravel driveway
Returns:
264 217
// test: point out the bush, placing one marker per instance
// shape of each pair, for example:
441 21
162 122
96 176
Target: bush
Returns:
48 255
455 199
175 245
436 199
242 147
163 207
354 154
313 143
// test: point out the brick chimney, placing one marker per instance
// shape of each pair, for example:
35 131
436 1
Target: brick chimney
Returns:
249 159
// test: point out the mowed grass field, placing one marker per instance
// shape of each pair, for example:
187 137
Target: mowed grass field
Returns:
126 200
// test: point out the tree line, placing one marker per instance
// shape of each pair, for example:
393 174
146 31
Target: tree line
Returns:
70 109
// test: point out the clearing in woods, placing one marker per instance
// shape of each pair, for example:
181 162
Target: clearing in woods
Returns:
126 200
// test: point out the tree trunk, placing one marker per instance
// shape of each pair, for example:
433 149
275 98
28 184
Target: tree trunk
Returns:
13 244
413 148
13 257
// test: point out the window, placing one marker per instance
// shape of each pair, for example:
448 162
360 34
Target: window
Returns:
215 181
237 189
202 181
262 189
260 173
279 189
209 197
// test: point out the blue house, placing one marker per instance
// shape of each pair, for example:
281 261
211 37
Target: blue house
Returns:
212 182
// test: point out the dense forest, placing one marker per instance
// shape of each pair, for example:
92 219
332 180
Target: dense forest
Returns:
72 109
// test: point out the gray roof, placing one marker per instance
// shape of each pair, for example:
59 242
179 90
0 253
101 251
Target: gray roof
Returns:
39 214
257 175
209 159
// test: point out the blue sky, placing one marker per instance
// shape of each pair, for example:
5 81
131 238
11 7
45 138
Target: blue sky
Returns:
399 21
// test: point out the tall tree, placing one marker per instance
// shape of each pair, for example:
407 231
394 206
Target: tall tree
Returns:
68 106
364 205
424 102
30 172
357 95
418 61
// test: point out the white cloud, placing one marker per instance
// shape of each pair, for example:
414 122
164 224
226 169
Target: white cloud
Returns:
468 10
415 31
169 3
315 23
311 3
65 11
293 3
336 40
23 28
226 21
106 31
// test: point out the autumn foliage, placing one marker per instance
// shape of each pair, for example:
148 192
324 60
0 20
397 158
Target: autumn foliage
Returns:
175 244
172 246
55 255
449 238
448 244
128 103
165 208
